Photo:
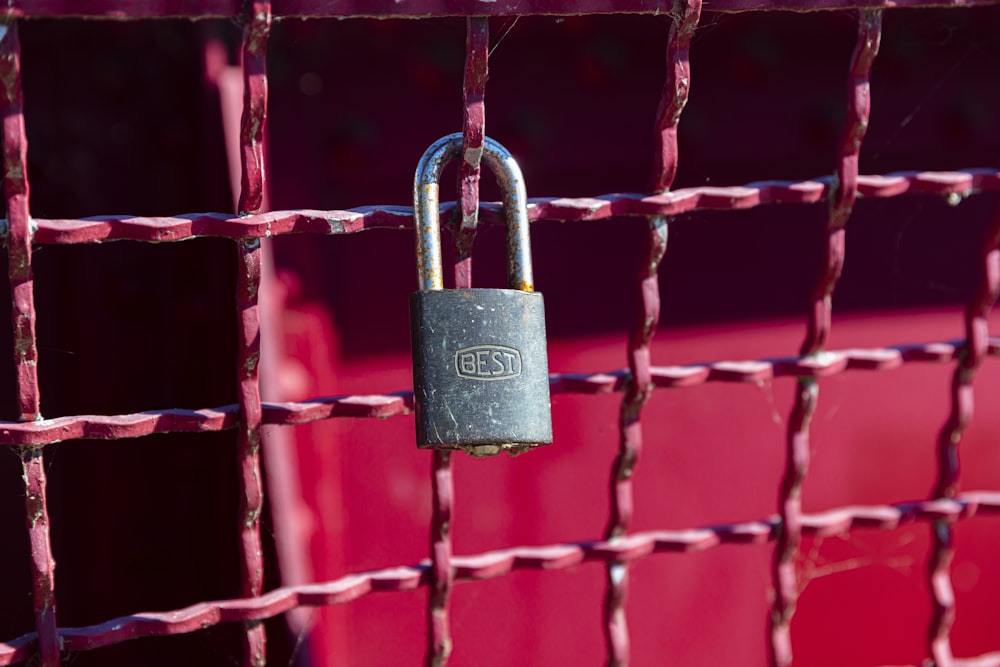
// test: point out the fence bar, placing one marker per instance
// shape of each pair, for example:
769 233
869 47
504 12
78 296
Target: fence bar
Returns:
442 573
138 424
114 10
675 93
473 133
254 58
975 350
620 547
19 232
19 238
251 481
477 43
639 384
842 197
961 183
258 23
831 523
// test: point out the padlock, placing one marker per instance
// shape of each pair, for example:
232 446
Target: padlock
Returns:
480 369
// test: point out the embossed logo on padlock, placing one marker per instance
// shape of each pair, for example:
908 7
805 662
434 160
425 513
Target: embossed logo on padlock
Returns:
488 362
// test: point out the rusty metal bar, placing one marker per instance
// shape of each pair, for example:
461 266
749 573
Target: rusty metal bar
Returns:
962 183
970 357
19 239
842 197
258 23
117 10
639 383
498 563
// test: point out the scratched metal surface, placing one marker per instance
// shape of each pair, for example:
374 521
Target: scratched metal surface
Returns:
619 547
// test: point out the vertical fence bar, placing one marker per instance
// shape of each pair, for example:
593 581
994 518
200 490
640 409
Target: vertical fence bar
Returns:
442 577
252 487
19 232
675 92
842 197
974 351
442 482
640 385
19 236
254 57
255 34
473 132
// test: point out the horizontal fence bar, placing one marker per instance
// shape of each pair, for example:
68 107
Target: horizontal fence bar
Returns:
954 185
231 9
498 563
135 425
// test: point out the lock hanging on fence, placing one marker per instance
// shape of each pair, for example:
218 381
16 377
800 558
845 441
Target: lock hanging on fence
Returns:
480 368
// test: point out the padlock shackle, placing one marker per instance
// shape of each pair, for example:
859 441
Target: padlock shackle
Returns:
427 211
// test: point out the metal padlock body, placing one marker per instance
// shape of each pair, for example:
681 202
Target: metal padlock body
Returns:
481 377
480 368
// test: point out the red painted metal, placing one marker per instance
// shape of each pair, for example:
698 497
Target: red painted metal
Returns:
786 576
291 523
473 119
19 233
502 562
258 23
971 355
442 572
675 94
136 9
439 640
137 425
639 382
249 439
255 32
568 209
620 547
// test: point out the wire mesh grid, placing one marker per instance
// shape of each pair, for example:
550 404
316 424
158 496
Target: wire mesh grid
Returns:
619 547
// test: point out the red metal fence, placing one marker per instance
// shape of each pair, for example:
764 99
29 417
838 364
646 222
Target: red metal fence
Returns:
619 546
